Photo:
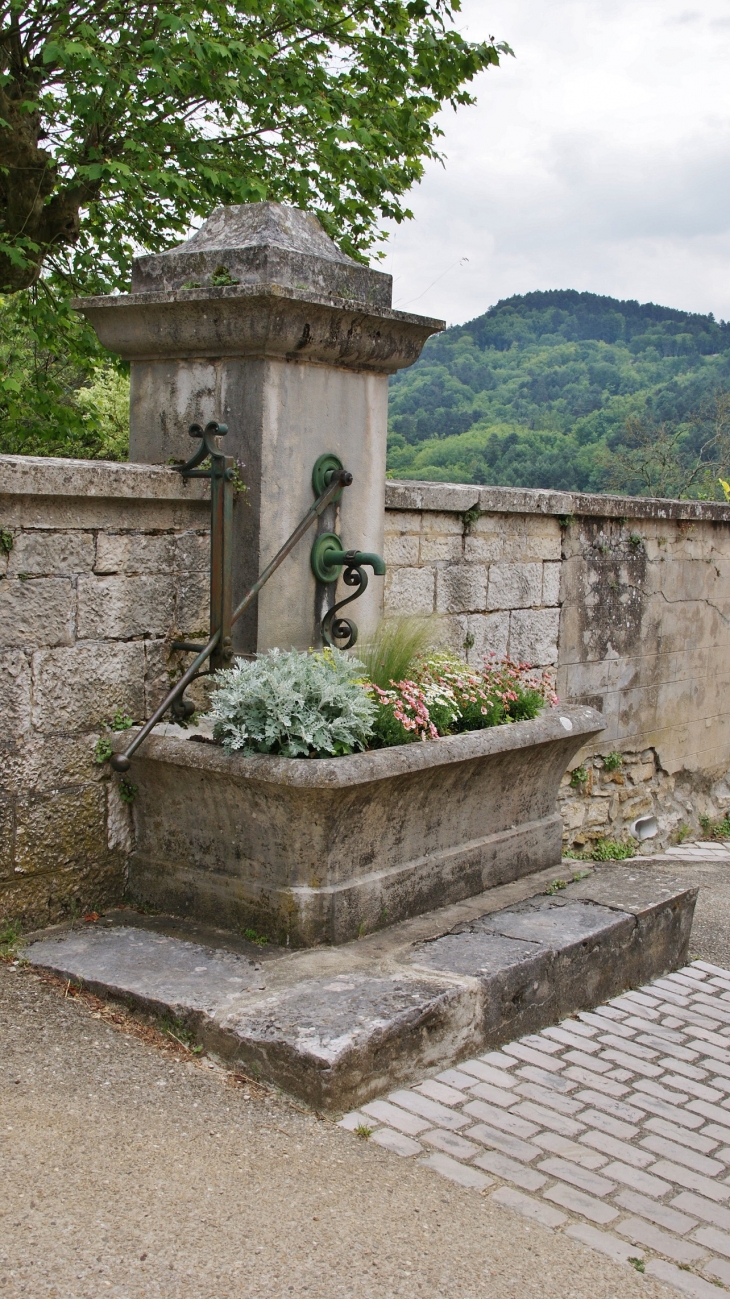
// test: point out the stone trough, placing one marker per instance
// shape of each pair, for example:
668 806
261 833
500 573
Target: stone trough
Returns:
310 852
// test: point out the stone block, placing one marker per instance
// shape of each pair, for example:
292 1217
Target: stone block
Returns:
533 636
551 584
7 822
542 537
192 552
39 611
132 553
121 607
514 586
79 689
401 551
119 825
446 522
491 635
44 762
15 683
64 828
484 548
192 609
403 520
461 588
410 591
51 553
442 549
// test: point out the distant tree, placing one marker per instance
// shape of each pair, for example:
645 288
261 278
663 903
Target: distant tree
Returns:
686 459
122 122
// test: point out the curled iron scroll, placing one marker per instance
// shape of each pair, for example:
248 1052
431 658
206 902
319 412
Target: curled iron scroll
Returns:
341 633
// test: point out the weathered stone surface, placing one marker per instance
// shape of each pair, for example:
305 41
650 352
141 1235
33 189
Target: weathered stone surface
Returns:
514 586
39 611
491 635
533 635
7 827
80 689
410 591
461 588
324 851
64 828
15 684
338 1027
459 497
551 584
118 607
49 554
263 243
132 553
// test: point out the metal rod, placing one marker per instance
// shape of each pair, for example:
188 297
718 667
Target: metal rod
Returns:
121 761
341 479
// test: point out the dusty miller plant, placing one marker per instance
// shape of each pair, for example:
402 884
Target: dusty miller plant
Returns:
292 704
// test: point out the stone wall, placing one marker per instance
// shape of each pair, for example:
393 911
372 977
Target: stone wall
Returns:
100 566
627 599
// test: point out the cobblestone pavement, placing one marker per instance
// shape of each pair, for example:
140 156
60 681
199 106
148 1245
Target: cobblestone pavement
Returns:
612 1128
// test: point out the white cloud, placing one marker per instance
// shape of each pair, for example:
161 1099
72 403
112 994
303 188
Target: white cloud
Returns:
598 158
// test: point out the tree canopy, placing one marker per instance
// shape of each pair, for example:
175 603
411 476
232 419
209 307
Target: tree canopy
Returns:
122 122
572 391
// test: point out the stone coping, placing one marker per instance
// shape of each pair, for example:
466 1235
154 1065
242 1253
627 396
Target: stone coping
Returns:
56 476
254 292
363 768
456 498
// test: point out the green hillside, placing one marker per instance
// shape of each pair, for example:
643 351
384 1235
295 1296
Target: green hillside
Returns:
538 391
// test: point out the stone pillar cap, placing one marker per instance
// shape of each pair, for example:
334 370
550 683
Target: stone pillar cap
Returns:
262 243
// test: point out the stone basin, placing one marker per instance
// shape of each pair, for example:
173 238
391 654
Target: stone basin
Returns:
324 851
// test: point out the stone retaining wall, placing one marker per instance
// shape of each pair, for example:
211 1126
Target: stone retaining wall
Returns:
103 565
627 599
100 566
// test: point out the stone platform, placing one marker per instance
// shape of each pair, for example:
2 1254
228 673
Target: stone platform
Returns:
337 1026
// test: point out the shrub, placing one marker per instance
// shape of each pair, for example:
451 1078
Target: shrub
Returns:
296 705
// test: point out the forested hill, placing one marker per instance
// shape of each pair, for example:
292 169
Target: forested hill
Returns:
538 391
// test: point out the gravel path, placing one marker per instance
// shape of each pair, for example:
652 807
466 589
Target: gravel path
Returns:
132 1171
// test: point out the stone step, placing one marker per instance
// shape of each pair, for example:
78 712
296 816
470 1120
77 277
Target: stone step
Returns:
336 1026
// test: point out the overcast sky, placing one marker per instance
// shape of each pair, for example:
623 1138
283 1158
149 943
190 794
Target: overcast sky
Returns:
598 158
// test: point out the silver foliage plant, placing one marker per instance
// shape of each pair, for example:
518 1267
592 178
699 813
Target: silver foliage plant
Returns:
292 704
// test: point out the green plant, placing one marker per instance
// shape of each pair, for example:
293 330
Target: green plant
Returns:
638 1263
556 886
635 540
222 277
579 777
612 761
392 652
715 829
469 641
681 833
470 517
121 721
612 850
580 875
6 541
102 750
9 936
297 705
122 126
176 1029
363 1131
127 791
253 936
